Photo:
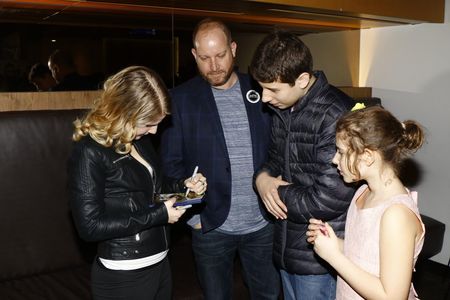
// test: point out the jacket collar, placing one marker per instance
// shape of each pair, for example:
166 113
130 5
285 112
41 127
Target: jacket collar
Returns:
314 90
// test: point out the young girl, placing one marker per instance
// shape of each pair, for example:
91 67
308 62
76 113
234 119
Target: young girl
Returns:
384 232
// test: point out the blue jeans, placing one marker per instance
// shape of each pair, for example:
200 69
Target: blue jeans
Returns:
308 287
215 252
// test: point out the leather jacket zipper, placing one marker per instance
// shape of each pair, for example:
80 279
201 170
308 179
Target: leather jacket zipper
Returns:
165 237
120 158
153 180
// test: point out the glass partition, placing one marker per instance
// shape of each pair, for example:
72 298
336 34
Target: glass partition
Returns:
96 51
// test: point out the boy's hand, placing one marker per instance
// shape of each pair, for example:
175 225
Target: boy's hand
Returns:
267 187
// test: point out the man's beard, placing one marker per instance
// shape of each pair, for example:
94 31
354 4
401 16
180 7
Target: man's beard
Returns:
218 78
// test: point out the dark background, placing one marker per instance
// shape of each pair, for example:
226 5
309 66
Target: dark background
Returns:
96 51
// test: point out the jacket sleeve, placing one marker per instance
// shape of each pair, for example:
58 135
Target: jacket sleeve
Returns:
171 185
274 163
86 185
164 184
172 143
328 196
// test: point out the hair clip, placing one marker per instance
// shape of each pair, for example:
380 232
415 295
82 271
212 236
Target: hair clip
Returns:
358 106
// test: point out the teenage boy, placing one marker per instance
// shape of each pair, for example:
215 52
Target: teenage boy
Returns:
298 181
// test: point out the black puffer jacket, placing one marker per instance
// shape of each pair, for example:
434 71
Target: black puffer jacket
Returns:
303 146
111 198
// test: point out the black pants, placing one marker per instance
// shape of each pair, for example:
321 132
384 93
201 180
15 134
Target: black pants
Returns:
153 282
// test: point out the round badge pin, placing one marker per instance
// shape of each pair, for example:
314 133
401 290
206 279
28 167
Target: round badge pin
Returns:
253 96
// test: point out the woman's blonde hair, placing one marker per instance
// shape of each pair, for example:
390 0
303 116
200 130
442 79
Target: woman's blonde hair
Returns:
133 97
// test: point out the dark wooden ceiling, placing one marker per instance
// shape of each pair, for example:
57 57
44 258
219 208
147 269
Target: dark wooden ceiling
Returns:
247 15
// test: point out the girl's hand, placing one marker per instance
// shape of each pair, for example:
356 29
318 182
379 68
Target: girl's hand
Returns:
197 184
314 229
174 213
326 243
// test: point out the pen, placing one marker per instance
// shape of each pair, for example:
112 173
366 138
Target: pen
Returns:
192 178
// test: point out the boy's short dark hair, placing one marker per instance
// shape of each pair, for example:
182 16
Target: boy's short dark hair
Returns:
281 56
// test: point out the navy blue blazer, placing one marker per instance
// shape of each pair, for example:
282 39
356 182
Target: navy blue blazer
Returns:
194 136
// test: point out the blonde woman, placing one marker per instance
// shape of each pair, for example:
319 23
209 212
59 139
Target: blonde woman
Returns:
113 176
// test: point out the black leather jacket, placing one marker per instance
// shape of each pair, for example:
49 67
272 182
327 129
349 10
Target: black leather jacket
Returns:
111 198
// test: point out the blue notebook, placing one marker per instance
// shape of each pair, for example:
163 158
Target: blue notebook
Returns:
191 199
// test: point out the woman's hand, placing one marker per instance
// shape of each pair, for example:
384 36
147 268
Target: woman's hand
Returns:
197 184
322 236
174 213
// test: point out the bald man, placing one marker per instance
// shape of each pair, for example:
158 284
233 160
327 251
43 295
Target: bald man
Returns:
218 122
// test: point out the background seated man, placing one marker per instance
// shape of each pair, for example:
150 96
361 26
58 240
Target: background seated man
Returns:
41 76
64 71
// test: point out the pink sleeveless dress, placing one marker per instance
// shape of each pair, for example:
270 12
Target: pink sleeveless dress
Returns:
361 243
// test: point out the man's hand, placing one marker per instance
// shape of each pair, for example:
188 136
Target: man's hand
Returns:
267 187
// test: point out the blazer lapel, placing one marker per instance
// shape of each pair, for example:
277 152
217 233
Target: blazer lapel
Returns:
211 108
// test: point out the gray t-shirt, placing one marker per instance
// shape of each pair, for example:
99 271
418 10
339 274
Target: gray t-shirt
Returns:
245 215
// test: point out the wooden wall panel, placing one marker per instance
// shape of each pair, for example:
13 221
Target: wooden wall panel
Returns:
357 92
47 100
85 99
